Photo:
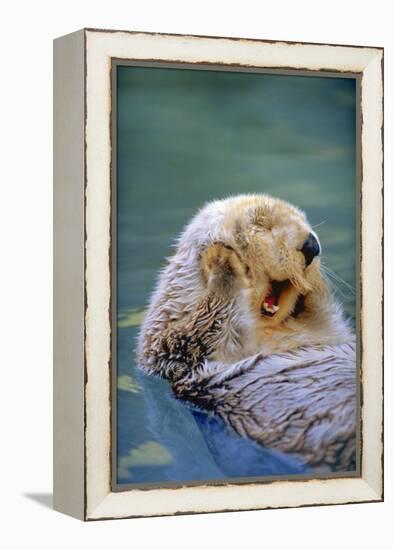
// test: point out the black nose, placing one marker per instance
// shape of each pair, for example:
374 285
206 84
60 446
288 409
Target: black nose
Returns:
310 249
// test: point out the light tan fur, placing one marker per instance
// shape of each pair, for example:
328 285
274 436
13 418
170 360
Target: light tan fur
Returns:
205 323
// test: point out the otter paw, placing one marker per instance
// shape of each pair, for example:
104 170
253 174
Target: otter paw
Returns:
222 267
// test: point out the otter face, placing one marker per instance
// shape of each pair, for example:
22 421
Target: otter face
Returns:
280 250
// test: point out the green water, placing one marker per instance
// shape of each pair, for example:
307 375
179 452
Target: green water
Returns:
186 137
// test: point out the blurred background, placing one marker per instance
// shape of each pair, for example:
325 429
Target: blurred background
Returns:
185 137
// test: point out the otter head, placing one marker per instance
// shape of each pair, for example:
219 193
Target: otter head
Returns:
280 251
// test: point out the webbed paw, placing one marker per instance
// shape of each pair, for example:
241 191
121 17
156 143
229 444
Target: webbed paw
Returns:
222 268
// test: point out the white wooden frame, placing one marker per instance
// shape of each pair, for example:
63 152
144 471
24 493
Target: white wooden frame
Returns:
82 470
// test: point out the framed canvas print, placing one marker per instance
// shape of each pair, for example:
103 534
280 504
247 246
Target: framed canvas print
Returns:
218 274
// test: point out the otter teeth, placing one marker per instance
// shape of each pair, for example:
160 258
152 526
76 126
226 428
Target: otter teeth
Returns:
271 308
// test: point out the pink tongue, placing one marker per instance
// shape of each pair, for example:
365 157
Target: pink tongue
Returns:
270 300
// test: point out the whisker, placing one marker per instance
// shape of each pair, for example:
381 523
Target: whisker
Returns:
334 278
339 279
336 289
318 224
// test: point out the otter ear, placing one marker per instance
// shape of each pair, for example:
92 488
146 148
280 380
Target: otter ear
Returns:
241 237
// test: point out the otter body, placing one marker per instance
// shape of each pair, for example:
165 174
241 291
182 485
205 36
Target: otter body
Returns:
243 324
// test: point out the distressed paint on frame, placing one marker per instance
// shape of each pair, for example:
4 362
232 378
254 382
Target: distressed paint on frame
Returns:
104 211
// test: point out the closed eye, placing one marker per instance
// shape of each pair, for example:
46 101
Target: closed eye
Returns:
260 229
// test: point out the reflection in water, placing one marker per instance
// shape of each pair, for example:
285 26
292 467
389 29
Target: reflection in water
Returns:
126 382
186 137
148 454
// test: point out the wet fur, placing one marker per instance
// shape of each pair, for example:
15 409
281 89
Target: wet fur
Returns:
287 382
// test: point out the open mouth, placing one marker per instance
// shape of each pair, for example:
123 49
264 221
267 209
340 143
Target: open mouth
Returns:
271 303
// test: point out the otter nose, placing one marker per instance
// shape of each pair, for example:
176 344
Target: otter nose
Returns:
310 249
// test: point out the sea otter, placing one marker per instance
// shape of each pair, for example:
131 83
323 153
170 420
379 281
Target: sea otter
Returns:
243 324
